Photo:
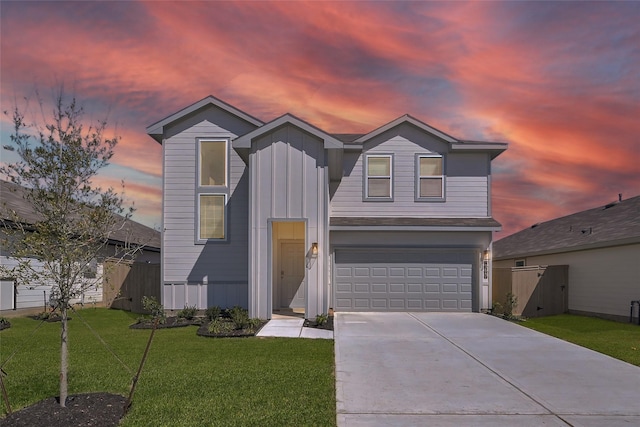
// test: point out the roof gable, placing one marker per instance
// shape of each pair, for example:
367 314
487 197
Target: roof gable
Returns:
615 223
245 141
456 145
406 119
156 130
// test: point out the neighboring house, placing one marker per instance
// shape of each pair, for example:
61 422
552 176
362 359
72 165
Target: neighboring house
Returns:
285 216
601 246
16 296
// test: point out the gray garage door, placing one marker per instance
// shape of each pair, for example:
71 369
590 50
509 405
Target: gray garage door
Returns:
402 280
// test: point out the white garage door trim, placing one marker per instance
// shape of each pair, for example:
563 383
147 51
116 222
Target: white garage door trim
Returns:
404 279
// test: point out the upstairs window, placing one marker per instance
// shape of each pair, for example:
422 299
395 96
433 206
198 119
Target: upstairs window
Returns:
378 177
429 177
212 216
213 163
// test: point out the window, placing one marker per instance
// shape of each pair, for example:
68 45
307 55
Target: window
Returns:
378 181
430 177
520 263
213 163
212 216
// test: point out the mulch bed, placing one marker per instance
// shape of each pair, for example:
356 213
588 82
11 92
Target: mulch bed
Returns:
92 409
308 323
170 322
203 331
51 319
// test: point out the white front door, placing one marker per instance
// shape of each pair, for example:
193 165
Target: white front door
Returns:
292 292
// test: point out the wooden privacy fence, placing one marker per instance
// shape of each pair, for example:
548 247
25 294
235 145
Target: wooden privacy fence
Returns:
126 283
540 290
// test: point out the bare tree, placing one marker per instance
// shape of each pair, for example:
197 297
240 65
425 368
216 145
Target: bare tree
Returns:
73 219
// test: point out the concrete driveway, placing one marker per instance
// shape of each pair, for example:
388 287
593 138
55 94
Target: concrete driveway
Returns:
451 369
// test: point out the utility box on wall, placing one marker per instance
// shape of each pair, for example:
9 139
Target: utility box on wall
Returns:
540 290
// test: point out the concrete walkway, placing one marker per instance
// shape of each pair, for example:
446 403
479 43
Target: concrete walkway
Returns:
451 369
292 328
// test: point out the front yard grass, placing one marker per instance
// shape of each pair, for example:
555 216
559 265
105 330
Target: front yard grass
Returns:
187 380
619 340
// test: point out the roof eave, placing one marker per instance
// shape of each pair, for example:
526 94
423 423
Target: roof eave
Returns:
410 228
245 141
156 130
406 119
493 148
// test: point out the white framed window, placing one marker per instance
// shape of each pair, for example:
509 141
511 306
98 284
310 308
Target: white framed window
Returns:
212 216
378 177
430 177
212 163
520 263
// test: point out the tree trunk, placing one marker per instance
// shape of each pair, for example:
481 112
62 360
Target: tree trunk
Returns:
64 357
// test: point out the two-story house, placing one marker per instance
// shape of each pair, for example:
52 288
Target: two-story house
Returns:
283 215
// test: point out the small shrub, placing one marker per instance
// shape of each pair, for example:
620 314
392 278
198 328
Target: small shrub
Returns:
253 325
497 309
219 326
4 323
43 316
322 319
188 313
213 313
156 309
510 305
239 317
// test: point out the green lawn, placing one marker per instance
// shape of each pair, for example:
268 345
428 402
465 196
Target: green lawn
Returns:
187 380
619 340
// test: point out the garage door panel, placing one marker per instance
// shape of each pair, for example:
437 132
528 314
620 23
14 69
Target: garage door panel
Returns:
397 304
379 287
414 272
379 272
396 287
415 280
414 304
396 272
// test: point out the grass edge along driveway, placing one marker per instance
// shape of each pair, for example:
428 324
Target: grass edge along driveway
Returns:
187 380
615 339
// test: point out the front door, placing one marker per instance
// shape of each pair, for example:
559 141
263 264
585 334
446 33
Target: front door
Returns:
292 292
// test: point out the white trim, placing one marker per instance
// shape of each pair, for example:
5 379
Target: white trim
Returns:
224 219
225 141
365 174
419 177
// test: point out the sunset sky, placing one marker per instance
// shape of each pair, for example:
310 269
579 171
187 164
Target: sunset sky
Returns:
558 81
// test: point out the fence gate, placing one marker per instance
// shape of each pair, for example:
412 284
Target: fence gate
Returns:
126 283
540 290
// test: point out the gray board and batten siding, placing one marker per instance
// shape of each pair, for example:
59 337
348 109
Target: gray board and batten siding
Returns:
466 178
288 181
194 273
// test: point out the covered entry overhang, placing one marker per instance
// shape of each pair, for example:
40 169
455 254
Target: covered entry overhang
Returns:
410 264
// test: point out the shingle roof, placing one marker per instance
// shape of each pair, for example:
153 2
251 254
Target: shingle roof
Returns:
615 223
11 197
416 222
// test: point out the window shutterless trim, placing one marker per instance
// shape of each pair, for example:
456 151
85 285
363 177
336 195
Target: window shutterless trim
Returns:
226 142
211 190
200 240
417 182
365 178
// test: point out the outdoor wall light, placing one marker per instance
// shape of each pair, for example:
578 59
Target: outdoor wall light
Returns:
486 254
314 249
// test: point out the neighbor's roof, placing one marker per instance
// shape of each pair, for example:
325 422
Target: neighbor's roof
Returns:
11 197
614 224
